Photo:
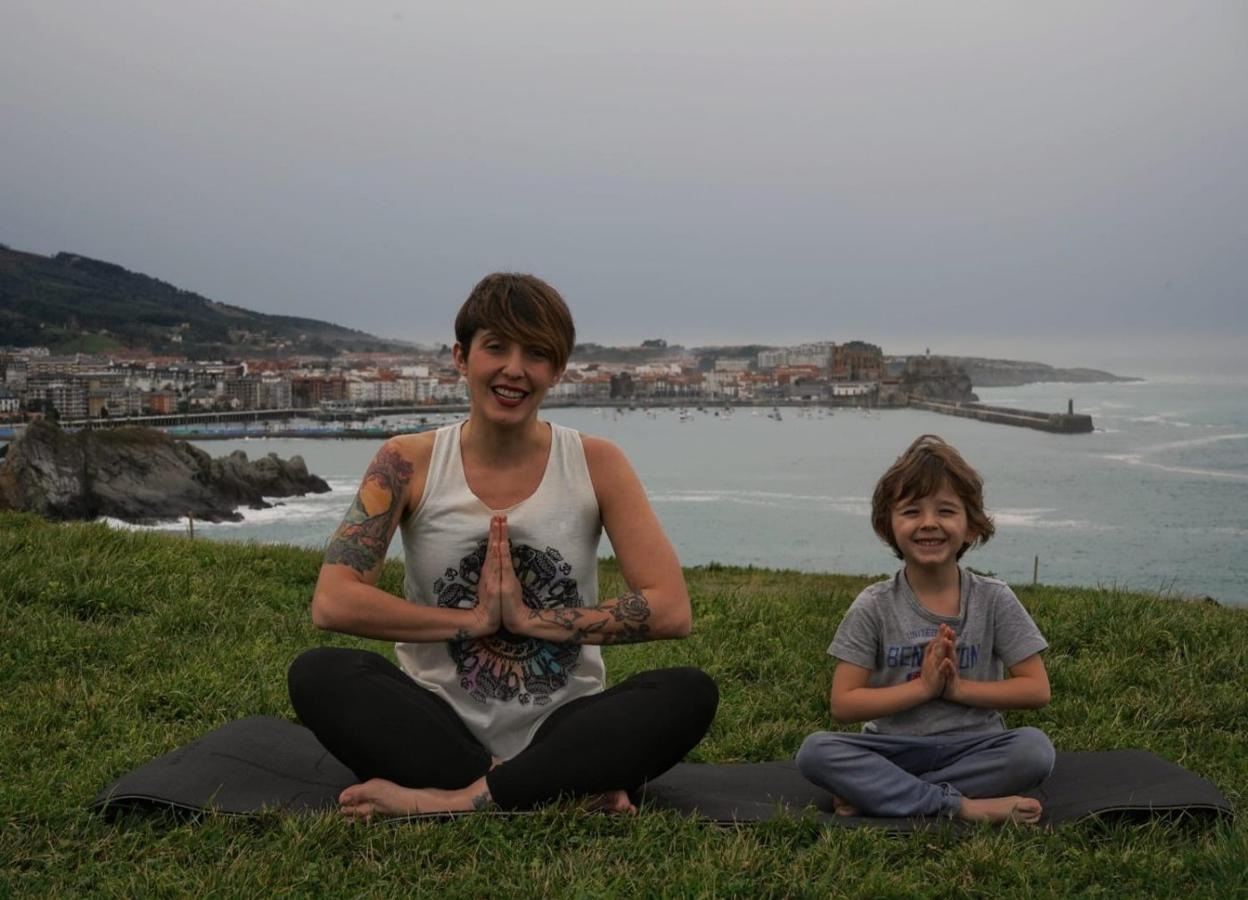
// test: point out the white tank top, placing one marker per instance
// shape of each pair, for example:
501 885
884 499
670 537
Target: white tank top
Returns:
502 686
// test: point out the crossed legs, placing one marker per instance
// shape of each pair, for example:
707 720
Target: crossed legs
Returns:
413 753
970 776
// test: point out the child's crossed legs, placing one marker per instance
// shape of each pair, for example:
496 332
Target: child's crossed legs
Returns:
966 775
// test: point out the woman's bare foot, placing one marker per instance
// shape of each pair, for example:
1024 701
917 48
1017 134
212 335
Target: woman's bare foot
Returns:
841 808
609 802
1019 810
385 798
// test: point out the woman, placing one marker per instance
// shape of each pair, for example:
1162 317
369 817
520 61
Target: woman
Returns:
499 700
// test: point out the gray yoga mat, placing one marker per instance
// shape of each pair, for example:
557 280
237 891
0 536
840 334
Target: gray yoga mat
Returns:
261 763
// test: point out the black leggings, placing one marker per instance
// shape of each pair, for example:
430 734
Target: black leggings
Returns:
381 724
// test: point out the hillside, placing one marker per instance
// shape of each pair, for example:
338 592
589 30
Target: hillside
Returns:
72 303
1013 372
120 646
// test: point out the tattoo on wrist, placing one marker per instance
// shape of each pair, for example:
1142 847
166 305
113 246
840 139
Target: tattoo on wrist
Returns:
361 540
482 801
631 610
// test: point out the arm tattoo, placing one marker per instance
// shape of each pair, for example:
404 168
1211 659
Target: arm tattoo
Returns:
631 610
482 801
363 537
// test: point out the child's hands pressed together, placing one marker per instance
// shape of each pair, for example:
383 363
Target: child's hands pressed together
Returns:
932 671
949 664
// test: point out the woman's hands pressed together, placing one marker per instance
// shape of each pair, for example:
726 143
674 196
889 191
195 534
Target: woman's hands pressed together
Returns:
500 598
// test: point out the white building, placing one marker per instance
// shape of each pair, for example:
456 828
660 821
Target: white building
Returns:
773 359
451 390
721 385
818 354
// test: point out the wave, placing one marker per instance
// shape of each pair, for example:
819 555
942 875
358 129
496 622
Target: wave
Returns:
1034 518
123 525
307 508
1162 418
852 505
1195 442
1137 459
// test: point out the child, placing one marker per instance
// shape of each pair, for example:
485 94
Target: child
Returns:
921 655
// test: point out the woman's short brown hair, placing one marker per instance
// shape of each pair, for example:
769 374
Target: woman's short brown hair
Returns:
520 308
928 465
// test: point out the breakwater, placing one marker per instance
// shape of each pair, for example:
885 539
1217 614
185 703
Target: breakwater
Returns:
1068 422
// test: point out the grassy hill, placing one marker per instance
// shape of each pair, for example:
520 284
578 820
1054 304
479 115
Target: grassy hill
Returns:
74 304
119 646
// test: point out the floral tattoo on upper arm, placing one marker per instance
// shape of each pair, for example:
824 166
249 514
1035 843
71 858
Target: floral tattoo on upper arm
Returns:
364 535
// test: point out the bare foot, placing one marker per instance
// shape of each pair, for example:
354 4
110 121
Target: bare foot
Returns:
385 798
610 802
841 808
1019 810
378 797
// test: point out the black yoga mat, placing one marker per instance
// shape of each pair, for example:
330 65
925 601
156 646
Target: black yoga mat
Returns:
1109 783
262 763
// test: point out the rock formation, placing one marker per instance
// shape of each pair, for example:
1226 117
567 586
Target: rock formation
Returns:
139 475
936 378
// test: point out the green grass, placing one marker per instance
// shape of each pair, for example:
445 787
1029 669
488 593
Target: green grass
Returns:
71 341
117 647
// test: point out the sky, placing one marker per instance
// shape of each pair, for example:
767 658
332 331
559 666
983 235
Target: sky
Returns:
1036 179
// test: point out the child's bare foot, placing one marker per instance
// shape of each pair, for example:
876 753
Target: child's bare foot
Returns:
841 808
385 798
609 802
1019 810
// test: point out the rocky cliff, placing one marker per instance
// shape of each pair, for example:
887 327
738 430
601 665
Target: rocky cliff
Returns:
140 475
936 378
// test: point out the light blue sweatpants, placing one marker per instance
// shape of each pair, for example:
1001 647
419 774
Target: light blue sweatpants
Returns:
905 775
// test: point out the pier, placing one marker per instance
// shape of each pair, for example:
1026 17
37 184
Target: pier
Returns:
1068 422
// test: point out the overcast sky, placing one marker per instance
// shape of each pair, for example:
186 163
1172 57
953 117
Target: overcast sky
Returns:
969 175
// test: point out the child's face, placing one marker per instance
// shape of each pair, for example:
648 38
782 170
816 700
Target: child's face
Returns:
931 530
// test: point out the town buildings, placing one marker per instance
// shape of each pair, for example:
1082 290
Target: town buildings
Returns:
80 387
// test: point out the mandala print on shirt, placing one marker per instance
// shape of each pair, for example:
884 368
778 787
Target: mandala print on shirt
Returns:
504 666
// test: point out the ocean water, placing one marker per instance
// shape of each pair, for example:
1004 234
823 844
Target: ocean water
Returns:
1155 499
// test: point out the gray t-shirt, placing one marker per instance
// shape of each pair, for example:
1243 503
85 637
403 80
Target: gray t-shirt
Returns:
886 630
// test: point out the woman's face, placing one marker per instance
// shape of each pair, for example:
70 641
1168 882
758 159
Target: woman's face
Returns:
506 380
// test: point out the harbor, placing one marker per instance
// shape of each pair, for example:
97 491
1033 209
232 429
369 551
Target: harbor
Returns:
382 422
742 488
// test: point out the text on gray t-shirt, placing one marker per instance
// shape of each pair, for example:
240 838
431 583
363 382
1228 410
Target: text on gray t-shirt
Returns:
886 630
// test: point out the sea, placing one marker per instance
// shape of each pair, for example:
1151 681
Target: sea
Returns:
1155 499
